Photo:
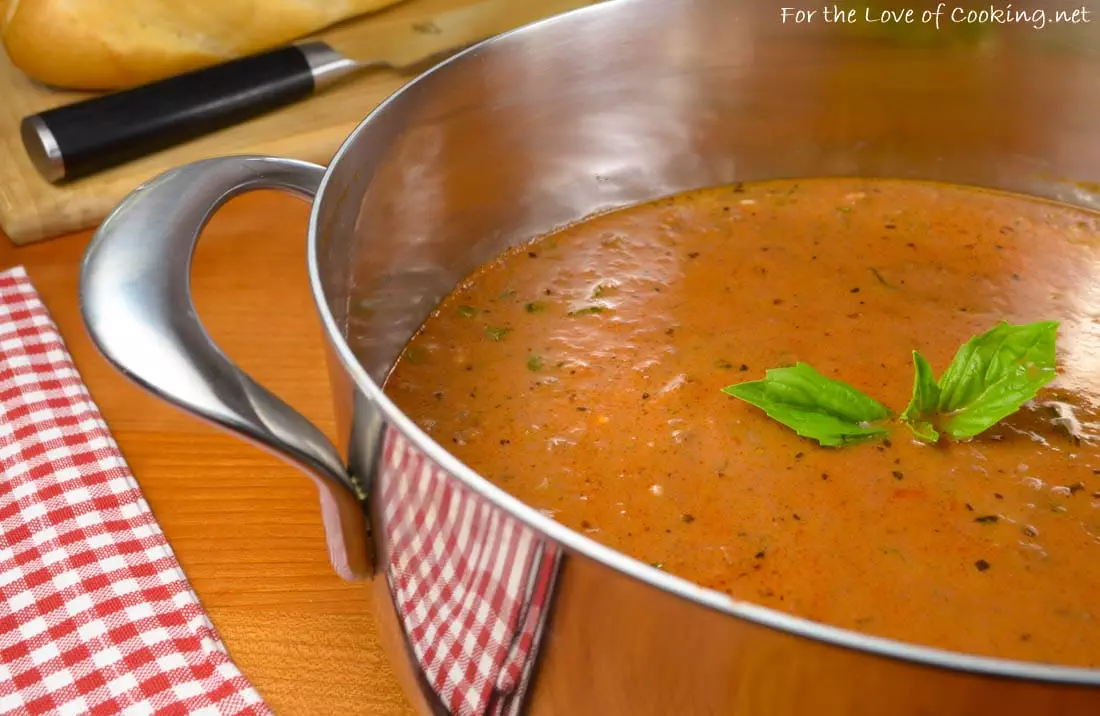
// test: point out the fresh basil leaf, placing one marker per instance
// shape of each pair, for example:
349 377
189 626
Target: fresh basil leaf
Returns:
829 411
993 374
496 334
924 403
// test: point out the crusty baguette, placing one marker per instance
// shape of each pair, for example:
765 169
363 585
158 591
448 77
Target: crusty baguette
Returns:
111 44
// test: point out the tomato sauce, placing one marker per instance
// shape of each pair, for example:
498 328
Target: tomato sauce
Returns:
582 372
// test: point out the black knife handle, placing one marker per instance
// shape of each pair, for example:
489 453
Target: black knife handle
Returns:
105 131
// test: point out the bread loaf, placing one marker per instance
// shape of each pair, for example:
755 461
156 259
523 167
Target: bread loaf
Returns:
112 44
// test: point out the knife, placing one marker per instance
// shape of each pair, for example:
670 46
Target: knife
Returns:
89 136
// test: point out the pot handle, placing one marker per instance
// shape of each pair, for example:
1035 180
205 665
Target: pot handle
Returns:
135 297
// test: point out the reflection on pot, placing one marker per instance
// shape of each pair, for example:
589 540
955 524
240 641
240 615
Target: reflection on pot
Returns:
471 583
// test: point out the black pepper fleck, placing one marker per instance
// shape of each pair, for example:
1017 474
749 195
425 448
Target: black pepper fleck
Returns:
987 519
898 475
981 565
687 519
743 368
645 396
854 290
759 555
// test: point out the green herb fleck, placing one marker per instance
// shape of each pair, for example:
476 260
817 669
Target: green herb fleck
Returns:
467 311
598 291
415 355
878 277
534 363
507 294
534 307
829 411
497 334
586 311
721 364
658 565
844 209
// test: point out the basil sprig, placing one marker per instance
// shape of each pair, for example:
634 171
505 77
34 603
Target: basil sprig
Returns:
990 377
829 411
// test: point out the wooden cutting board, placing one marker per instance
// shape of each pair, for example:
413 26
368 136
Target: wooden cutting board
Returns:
32 209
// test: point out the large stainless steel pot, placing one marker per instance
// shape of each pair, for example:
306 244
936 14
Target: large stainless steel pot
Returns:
611 105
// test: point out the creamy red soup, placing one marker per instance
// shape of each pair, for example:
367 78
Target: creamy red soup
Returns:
582 373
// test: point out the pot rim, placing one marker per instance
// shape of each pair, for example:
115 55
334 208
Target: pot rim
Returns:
576 542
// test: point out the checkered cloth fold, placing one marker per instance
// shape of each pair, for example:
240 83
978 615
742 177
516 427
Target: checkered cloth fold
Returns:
472 584
96 616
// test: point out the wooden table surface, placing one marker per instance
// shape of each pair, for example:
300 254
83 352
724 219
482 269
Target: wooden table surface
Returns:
244 526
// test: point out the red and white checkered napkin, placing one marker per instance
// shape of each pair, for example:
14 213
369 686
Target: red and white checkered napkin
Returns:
472 584
96 616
